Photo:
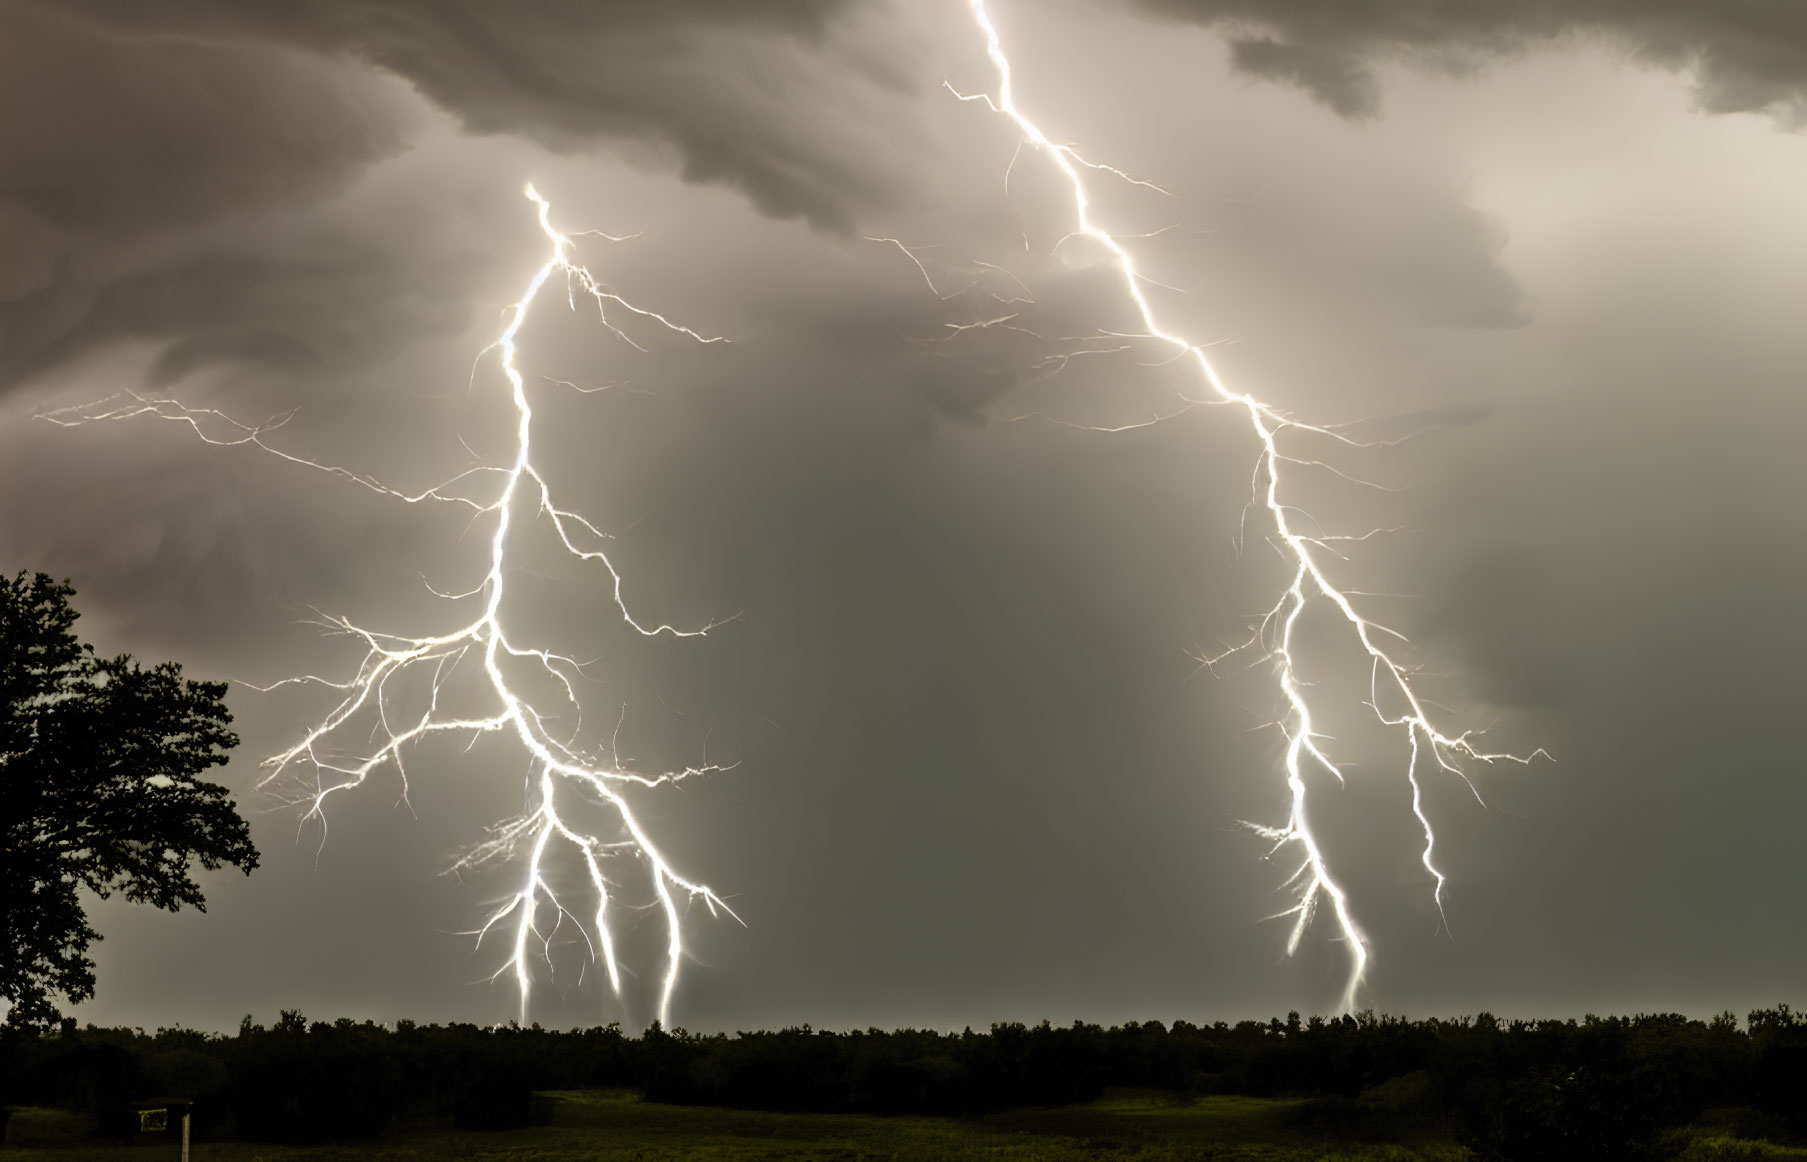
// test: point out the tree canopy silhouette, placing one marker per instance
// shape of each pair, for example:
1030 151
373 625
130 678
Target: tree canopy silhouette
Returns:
98 789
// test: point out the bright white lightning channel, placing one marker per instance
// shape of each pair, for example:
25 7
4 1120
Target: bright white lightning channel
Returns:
564 778
1274 637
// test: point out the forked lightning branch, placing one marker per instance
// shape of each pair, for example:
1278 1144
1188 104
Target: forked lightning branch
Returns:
567 782
1390 692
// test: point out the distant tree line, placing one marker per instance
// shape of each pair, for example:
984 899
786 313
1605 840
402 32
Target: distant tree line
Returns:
1598 1087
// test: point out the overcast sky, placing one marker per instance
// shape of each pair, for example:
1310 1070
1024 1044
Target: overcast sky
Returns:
980 776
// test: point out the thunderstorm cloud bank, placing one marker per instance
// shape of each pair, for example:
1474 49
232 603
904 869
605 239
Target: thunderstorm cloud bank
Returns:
980 776
1747 56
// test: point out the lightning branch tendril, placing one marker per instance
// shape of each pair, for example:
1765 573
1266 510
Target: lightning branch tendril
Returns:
565 779
1275 637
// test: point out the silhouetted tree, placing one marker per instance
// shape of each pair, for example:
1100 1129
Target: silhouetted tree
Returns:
98 758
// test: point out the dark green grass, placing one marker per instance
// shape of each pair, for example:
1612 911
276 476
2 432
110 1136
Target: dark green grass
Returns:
614 1125
618 1125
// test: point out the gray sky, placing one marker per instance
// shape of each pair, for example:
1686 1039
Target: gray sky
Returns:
980 776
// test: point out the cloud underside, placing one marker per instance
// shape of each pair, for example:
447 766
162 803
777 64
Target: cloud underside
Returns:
158 156
686 73
1746 55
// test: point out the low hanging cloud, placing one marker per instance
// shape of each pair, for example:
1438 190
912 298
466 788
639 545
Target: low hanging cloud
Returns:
723 83
103 185
171 168
230 127
1746 55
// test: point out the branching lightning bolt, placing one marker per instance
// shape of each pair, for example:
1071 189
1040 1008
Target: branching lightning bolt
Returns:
565 778
1275 636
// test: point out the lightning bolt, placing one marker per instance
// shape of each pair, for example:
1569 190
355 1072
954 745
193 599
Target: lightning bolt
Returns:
1275 637
565 781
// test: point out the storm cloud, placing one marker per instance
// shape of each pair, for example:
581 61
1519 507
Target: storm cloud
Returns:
981 774
175 217
1747 56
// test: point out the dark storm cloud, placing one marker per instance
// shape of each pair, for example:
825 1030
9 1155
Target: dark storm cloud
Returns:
979 776
87 152
1748 55
165 164
695 75
98 178
301 299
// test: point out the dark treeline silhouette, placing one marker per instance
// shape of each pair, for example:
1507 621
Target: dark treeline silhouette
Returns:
1597 1087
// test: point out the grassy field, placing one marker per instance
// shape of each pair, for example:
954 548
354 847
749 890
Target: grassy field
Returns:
606 1125
619 1125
